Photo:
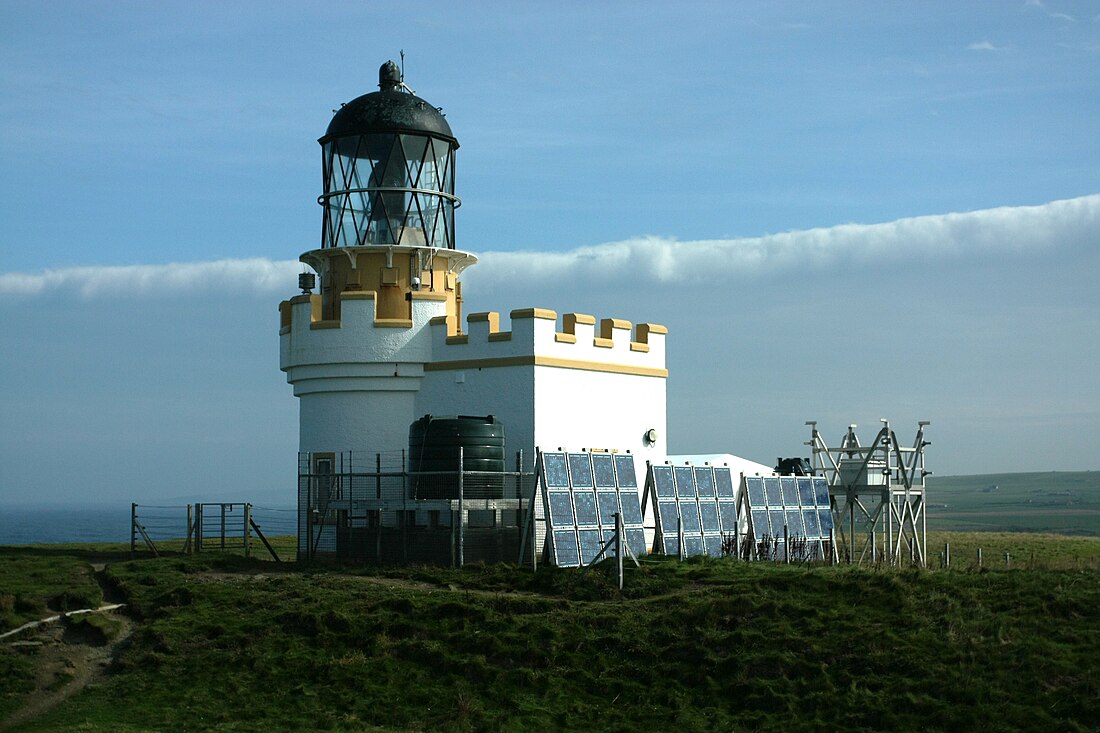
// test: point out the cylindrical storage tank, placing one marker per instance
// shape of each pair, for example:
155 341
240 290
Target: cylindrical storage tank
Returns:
434 444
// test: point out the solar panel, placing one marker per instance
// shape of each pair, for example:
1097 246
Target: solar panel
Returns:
603 466
708 516
565 548
584 503
582 493
771 492
689 516
809 517
624 471
704 481
580 469
608 503
806 491
723 482
590 544
662 478
790 490
685 481
713 544
632 509
755 488
695 502
555 470
693 545
669 517
561 508
794 522
760 526
727 510
785 509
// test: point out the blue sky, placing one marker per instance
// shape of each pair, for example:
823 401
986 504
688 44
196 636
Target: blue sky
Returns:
842 210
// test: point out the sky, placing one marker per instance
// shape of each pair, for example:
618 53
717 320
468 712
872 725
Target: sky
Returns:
842 211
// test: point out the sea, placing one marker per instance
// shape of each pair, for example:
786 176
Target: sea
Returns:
28 524
25 525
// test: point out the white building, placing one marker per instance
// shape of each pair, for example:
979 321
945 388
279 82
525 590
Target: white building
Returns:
385 342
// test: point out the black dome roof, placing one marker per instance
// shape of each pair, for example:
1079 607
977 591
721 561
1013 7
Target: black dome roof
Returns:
389 110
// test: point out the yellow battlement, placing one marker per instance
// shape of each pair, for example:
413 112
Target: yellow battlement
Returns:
583 342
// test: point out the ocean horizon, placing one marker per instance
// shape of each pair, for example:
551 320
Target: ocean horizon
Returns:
28 524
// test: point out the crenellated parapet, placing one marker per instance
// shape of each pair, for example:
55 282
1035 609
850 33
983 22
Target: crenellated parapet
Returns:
535 338
359 336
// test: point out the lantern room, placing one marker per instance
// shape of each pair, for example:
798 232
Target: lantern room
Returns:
388 221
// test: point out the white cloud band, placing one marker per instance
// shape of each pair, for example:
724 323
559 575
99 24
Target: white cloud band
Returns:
1005 231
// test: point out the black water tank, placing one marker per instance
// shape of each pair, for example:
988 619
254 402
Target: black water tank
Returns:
434 443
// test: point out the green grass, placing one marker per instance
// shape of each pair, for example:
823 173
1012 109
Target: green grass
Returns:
1055 502
228 643
35 582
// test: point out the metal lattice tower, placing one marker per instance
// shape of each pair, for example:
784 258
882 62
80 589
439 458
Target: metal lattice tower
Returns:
877 493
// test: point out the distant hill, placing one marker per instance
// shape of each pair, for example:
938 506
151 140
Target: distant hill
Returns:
1063 502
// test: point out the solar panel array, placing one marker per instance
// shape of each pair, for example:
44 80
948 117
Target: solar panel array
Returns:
582 493
791 508
700 501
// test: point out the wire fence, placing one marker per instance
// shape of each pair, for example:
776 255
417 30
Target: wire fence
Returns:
223 526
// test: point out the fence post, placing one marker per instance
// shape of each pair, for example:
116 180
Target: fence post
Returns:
222 544
133 529
461 510
979 557
378 489
786 546
679 539
190 528
947 554
619 547
1008 561
247 530
198 528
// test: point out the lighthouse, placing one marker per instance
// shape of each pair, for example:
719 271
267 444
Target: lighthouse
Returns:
387 265
377 340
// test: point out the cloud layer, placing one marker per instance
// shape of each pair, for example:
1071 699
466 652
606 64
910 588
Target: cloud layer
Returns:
1005 231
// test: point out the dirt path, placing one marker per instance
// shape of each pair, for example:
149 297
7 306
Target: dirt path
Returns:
65 662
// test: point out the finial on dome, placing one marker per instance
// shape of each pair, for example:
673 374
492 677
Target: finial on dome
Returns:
389 76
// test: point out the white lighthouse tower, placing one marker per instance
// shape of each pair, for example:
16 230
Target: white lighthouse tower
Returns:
384 343
355 352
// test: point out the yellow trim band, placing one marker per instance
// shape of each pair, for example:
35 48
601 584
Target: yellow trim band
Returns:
546 361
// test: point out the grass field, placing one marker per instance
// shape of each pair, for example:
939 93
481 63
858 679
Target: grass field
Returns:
1056 502
228 643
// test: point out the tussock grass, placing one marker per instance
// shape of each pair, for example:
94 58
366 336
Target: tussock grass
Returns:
225 643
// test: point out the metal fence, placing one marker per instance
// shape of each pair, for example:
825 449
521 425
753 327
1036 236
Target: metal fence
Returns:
396 516
223 526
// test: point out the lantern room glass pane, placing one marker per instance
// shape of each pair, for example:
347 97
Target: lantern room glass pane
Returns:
384 188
